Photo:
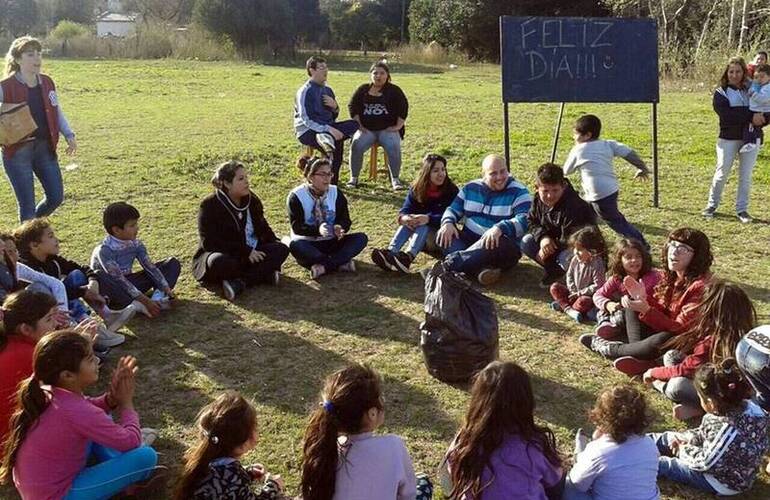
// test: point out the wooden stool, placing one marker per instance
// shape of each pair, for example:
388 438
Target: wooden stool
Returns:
373 170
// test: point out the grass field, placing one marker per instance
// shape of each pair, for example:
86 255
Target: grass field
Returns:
150 132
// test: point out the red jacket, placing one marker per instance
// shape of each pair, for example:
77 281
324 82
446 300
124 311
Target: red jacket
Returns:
15 365
701 354
674 315
15 92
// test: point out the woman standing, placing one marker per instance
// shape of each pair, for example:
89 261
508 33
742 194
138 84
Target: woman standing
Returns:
731 104
36 153
380 108
320 222
237 247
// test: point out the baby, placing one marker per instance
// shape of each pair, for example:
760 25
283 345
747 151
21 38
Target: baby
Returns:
759 102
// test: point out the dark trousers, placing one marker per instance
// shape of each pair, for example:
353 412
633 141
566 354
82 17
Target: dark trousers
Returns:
467 255
329 253
118 297
348 128
648 349
607 209
636 330
220 266
561 294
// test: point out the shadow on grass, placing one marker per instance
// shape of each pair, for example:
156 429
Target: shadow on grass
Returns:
381 195
755 293
561 404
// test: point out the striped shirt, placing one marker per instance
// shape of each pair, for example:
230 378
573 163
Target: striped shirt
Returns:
481 208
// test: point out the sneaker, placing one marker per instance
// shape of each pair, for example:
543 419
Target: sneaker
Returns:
598 344
316 271
402 261
744 217
327 143
632 366
489 276
607 331
352 183
709 212
348 267
116 319
106 339
232 288
140 308
572 313
686 412
276 278
555 306
397 184
379 257
149 435
748 147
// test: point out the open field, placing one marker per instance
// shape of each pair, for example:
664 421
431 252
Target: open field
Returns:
150 132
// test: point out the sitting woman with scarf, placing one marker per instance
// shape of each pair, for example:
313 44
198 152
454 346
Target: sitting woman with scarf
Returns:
237 246
320 222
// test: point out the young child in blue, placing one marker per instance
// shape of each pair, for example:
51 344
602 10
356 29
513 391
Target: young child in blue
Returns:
593 157
116 254
759 102
420 217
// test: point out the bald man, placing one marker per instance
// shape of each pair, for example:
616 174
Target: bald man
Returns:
493 211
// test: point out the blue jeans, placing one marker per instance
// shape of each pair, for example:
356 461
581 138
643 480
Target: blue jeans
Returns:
755 364
571 492
348 128
607 209
362 141
467 255
554 265
36 158
329 253
674 469
416 239
114 472
72 282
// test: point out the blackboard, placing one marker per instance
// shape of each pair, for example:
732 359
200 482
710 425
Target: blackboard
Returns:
576 59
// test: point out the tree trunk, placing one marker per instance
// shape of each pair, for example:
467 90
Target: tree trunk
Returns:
744 27
665 21
731 27
705 29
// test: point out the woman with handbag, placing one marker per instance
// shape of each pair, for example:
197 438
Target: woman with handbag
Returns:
35 152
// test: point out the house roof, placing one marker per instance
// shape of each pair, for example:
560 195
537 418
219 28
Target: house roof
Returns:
114 17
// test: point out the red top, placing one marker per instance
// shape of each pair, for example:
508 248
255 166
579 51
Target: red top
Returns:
701 354
675 314
15 365
16 92
433 191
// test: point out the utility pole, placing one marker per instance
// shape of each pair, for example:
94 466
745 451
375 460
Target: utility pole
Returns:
403 20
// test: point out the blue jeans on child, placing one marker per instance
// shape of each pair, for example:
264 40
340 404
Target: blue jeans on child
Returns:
72 283
607 209
348 128
362 141
114 472
674 469
467 254
329 253
36 158
755 364
556 264
414 240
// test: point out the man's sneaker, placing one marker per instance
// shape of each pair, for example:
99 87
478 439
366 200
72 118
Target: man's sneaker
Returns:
232 288
316 271
397 184
352 183
327 143
632 366
106 339
489 276
598 344
709 212
744 217
379 257
574 314
607 331
401 260
348 267
116 319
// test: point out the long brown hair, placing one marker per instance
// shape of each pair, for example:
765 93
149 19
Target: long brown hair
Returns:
723 81
17 48
346 397
55 353
616 259
422 182
726 314
24 307
700 265
223 425
502 403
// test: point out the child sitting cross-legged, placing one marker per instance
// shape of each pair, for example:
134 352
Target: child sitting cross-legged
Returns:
585 275
115 256
723 454
227 430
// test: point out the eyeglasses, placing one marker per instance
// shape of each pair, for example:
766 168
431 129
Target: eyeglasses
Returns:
323 174
679 247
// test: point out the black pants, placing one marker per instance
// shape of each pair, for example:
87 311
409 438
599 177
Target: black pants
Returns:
649 348
220 266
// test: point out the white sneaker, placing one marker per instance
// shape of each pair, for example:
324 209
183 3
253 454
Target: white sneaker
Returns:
348 267
149 435
489 276
744 217
115 320
708 212
140 308
316 271
105 338
327 143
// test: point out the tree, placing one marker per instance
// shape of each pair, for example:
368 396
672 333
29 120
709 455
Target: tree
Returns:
371 24
77 11
167 11
18 17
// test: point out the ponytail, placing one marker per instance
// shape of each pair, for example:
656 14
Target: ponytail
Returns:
319 452
31 401
309 165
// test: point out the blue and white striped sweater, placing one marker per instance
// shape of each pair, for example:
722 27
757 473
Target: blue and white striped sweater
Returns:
483 208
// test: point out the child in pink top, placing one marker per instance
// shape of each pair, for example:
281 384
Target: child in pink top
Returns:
58 428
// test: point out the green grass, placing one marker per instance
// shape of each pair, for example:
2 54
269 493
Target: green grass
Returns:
151 131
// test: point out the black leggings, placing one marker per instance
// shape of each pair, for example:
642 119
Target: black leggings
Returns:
220 266
649 348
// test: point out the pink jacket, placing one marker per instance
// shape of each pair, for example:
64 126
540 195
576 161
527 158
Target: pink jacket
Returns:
613 289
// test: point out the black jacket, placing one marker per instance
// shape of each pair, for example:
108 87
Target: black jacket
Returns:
221 230
733 118
567 216
57 267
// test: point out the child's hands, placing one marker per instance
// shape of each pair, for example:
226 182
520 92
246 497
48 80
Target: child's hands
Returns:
611 307
635 289
256 471
62 318
325 229
256 256
168 291
87 328
153 309
123 382
338 231
278 480
642 175
420 220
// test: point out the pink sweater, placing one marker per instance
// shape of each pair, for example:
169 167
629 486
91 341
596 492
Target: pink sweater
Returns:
613 289
54 451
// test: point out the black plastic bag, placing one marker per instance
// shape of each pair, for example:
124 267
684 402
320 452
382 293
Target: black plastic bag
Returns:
459 336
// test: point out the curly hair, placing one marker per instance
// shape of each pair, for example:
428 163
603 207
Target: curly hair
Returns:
621 411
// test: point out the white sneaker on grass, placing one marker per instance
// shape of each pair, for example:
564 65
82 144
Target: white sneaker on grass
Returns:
116 319
106 339
744 217
709 212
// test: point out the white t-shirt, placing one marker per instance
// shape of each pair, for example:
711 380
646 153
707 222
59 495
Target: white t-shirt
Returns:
612 471
594 160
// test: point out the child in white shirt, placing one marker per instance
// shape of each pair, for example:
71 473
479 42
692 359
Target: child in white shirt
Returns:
759 102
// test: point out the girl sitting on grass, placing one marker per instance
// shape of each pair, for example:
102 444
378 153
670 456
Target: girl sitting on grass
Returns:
500 452
585 274
56 428
227 430
420 217
722 455
342 458
629 258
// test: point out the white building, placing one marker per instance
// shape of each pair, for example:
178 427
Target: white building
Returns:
112 24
